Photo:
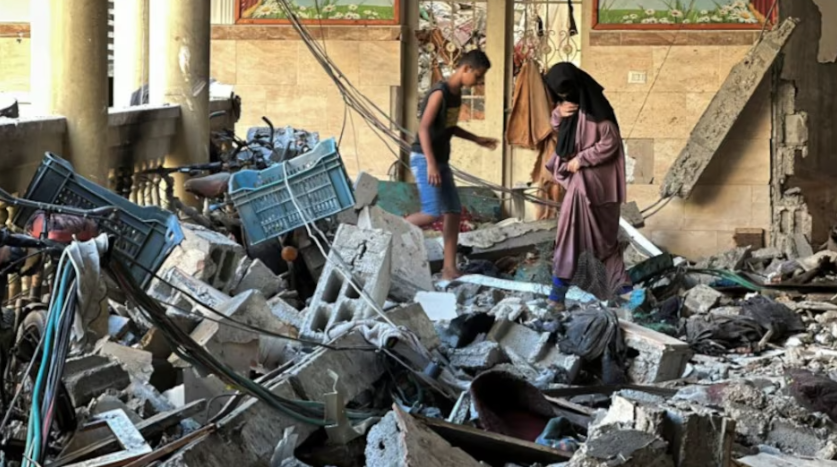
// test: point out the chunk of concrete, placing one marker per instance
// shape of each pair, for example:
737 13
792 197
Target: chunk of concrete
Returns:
207 256
623 448
478 357
534 347
283 311
357 369
414 318
398 439
366 190
83 363
512 309
196 387
138 363
724 110
439 306
661 357
732 260
499 241
367 254
102 404
700 299
198 293
410 267
91 383
260 277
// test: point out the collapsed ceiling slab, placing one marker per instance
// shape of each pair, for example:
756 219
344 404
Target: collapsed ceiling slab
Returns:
726 107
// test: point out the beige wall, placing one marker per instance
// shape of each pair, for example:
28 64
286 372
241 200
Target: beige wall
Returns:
278 78
14 65
734 191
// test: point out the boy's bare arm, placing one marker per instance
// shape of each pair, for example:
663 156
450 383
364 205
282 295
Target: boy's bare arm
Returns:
489 143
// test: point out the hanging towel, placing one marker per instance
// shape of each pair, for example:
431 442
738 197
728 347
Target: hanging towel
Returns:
529 122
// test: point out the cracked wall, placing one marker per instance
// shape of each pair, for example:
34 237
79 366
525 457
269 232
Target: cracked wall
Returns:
803 192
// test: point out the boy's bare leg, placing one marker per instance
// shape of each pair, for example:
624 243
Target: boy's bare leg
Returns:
421 219
450 235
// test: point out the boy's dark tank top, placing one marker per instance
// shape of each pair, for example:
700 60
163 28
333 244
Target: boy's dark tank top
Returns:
442 130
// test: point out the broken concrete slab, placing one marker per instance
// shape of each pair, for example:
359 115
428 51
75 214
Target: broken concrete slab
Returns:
357 369
731 260
773 460
410 267
491 242
661 357
197 291
701 299
138 363
93 382
632 215
478 357
366 190
724 110
512 309
536 348
439 306
207 256
285 312
624 448
368 256
398 439
414 318
259 277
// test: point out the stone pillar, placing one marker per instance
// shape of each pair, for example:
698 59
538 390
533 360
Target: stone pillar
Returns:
179 74
130 45
409 75
70 77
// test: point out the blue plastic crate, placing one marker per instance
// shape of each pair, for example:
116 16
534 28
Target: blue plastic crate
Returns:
317 180
146 234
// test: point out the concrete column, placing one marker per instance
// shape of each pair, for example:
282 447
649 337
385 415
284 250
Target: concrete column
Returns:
70 77
498 85
409 74
130 45
179 74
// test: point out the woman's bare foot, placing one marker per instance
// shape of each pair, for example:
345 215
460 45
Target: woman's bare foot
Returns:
451 274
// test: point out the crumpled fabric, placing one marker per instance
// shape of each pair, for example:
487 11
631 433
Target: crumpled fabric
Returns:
592 333
91 322
529 121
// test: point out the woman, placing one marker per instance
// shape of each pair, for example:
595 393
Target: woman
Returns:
589 163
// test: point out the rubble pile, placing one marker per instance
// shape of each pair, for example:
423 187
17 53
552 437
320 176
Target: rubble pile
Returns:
342 349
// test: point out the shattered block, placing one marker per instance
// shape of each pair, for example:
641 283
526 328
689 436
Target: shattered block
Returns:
699 439
367 254
702 298
534 347
731 260
198 293
138 363
410 267
413 318
512 309
260 277
357 370
400 440
623 448
236 348
207 256
285 312
628 414
478 357
366 190
91 383
439 306
661 357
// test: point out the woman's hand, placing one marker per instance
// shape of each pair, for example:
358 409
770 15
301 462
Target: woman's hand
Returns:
567 109
574 165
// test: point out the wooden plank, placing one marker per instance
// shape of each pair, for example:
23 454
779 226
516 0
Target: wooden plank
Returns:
724 110
149 428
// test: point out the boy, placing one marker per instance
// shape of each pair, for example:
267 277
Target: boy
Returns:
431 153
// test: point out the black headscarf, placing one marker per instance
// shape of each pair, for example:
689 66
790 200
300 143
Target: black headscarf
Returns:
579 88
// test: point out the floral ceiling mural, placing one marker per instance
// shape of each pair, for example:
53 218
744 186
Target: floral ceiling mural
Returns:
320 11
683 14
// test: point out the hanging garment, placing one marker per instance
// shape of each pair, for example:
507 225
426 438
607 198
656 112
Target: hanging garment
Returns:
529 122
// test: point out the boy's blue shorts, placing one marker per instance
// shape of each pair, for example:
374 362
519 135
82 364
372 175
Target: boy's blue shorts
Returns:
435 200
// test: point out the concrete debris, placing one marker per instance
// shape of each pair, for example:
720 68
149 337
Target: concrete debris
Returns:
366 190
510 309
478 357
724 110
90 383
410 267
537 349
660 357
701 299
337 299
438 305
259 277
624 448
495 242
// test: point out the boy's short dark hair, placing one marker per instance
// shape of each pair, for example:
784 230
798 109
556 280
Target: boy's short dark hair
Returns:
475 59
